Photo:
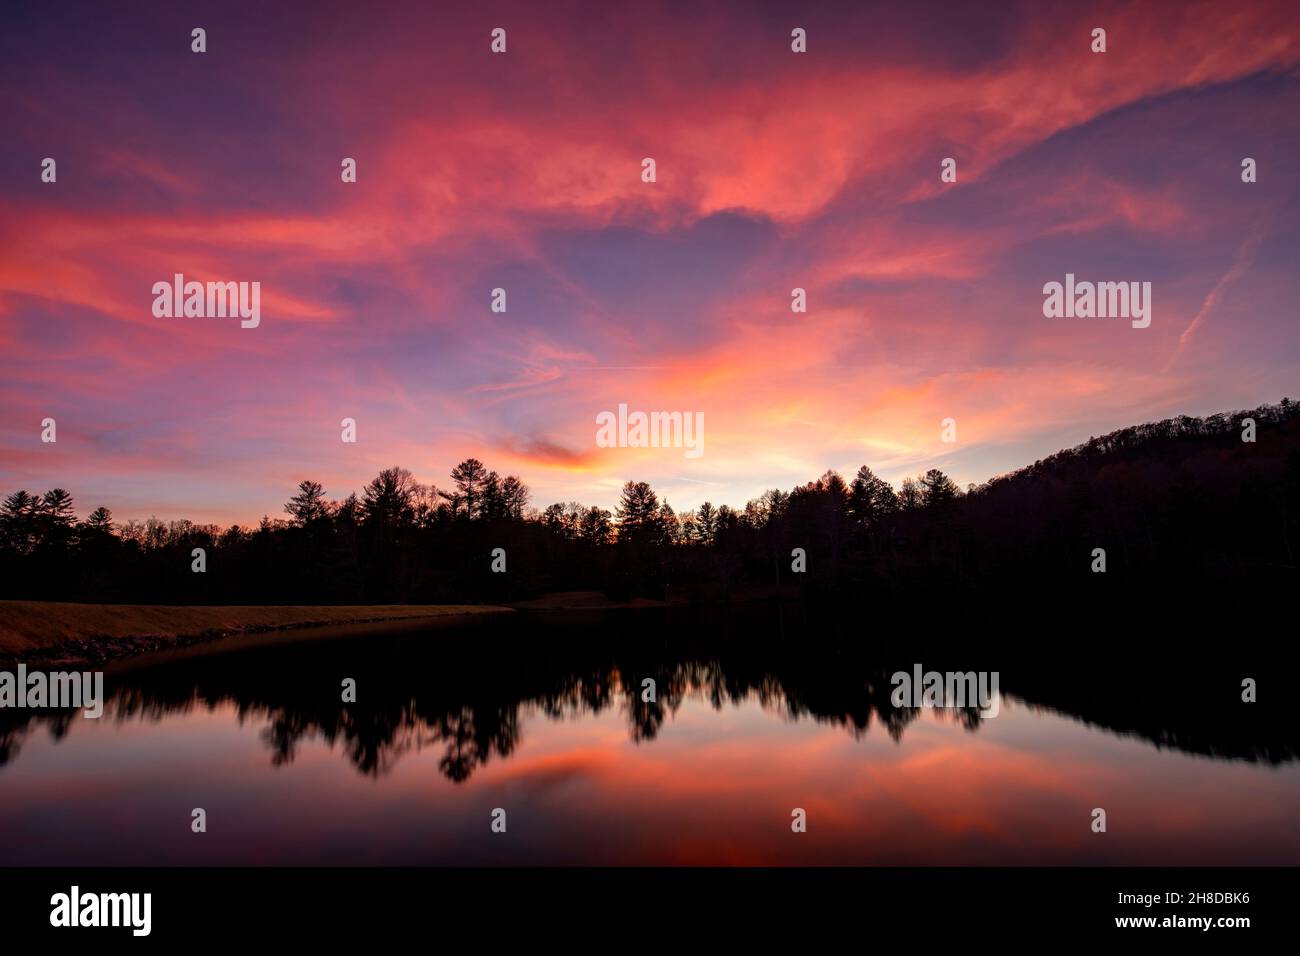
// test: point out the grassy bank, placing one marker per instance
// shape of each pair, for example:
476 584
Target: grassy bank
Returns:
51 630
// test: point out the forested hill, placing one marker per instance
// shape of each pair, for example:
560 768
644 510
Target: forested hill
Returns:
1185 497
1175 439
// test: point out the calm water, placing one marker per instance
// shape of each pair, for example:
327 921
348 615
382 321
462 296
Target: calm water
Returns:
541 715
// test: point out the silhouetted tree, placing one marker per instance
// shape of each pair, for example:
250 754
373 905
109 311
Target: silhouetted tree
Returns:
597 528
388 500
706 523
909 495
937 488
471 480
514 498
18 519
637 512
308 506
99 521
55 519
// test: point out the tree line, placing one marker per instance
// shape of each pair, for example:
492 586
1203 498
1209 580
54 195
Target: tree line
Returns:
1185 497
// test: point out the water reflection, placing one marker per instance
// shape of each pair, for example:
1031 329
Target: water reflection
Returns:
465 689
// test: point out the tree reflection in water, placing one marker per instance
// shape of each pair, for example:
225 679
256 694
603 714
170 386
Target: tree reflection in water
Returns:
466 689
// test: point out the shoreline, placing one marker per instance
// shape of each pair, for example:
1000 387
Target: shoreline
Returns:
64 633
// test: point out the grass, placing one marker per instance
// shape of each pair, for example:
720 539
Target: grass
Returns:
42 627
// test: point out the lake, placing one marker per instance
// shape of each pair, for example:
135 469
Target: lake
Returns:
759 712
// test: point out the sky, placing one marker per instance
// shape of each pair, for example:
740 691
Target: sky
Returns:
522 170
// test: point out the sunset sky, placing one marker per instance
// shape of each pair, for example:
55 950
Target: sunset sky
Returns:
775 170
